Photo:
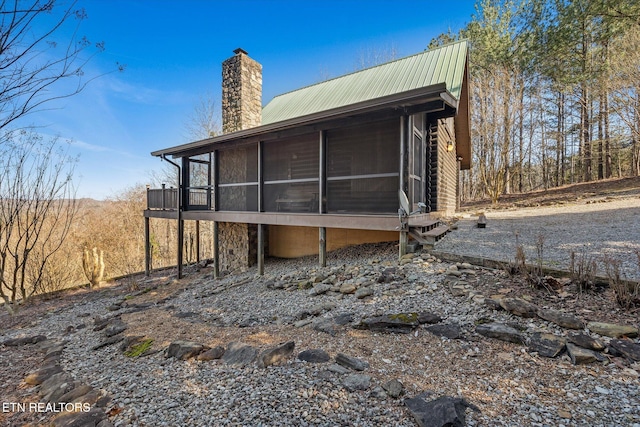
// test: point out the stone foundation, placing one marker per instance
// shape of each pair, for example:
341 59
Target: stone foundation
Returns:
238 245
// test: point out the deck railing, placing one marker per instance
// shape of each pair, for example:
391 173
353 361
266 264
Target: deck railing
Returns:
162 198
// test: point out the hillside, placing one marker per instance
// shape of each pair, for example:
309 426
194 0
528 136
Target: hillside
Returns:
585 192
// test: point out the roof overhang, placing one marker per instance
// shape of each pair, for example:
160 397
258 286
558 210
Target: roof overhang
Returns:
462 123
433 98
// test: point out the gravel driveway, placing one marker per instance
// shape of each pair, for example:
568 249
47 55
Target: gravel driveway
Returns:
596 229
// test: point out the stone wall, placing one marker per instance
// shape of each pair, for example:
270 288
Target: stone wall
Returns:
241 93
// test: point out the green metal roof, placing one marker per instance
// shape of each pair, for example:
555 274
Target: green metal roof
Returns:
437 66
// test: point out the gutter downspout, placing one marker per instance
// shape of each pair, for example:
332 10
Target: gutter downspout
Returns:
180 223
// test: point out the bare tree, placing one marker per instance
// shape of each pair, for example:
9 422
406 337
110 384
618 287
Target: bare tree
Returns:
204 121
373 56
33 63
37 207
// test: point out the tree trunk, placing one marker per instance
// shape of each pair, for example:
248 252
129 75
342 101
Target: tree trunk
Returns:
601 140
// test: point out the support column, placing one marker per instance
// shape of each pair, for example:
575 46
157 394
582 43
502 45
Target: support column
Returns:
180 251
216 252
197 242
322 250
260 249
147 248
404 240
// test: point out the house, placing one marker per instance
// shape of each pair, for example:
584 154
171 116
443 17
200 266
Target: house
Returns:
321 167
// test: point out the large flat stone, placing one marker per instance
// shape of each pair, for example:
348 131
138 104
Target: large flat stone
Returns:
314 355
239 354
519 307
581 356
586 341
212 354
442 412
34 339
612 330
398 323
184 350
566 320
627 348
355 382
276 355
42 374
501 332
80 419
351 362
547 345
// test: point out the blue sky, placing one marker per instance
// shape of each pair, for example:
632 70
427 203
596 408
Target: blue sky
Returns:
173 52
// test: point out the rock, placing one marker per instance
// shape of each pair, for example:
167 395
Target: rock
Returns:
399 323
394 388
212 354
347 288
519 307
500 331
325 325
75 393
184 350
116 327
42 374
319 289
442 412
378 393
627 348
363 293
585 341
338 369
56 386
276 355
612 330
343 319
580 356
239 354
34 339
314 355
351 362
430 318
355 382
560 318
80 419
109 341
451 331
546 345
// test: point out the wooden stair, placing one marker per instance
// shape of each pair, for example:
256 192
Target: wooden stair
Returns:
427 232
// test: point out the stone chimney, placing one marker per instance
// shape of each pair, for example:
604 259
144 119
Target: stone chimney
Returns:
241 92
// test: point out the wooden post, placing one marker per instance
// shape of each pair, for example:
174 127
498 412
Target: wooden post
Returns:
404 240
260 249
216 252
323 247
180 244
147 248
197 242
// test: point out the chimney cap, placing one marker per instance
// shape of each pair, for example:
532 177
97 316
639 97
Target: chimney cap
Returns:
240 50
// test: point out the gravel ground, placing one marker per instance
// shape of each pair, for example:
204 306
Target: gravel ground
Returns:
594 229
510 385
